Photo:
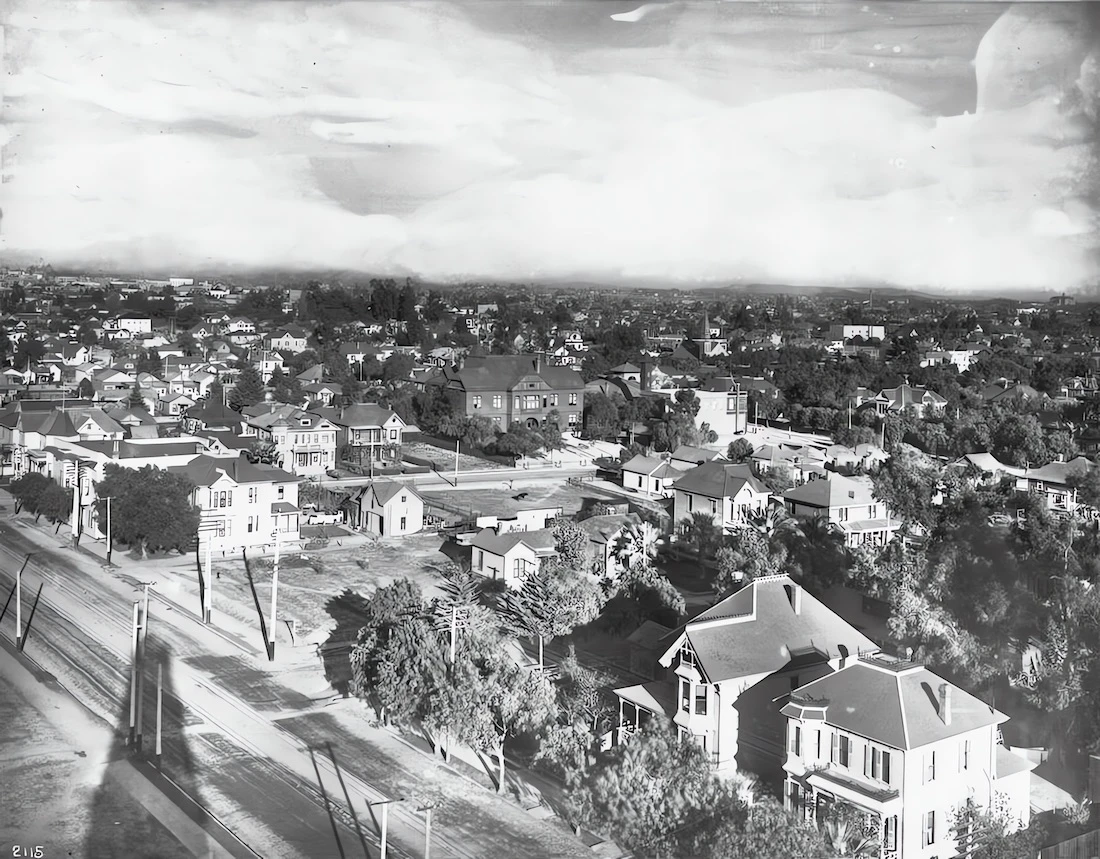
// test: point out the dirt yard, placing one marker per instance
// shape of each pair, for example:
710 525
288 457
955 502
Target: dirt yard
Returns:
445 459
310 582
514 495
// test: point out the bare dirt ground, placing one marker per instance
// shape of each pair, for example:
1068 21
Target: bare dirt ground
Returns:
504 499
445 459
309 581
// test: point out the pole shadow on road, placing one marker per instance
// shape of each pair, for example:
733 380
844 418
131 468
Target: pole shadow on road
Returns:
256 601
119 826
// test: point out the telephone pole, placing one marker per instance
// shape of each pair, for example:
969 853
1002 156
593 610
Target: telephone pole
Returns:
19 603
383 827
142 640
134 672
274 597
427 809
110 539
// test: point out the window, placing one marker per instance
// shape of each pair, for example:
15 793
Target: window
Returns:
964 755
713 506
687 657
252 495
890 834
572 399
572 419
402 525
497 401
553 399
845 750
691 502
876 764
281 492
795 740
515 403
477 402
480 559
404 498
685 695
700 700
929 767
929 828
393 435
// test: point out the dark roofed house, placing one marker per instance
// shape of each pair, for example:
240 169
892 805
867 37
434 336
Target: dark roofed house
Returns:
847 505
726 491
509 388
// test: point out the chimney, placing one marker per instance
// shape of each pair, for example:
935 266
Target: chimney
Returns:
114 449
538 362
945 703
645 375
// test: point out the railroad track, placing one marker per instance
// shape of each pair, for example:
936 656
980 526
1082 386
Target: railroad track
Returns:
105 673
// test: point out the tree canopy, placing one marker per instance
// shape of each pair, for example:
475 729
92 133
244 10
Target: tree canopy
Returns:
151 509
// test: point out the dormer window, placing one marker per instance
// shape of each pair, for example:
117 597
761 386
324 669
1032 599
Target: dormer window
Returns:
687 657
303 422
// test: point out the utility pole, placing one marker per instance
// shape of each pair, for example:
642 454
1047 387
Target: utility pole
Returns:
110 540
208 593
134 674
142 640
160 702
454 631
75 516
456 462
19 603
427 809
385 803
274 597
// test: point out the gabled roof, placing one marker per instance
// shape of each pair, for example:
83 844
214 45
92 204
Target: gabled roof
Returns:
604 529
834 491
719 480
698 455
542 542
207 470
895 703
360 415
384 491
758 631
502 372
649 465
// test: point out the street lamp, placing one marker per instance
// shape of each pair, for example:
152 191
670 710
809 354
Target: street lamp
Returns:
427 809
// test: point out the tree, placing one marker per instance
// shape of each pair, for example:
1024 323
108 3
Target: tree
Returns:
643 792
702 533
750 555
643 593
55 503
478 431
636 544
552 601
135 400
27 490
551 431
571 542
397 368
778 479
739 450
763 828
85 390
601 416
151 509
285 389
519 441
249 388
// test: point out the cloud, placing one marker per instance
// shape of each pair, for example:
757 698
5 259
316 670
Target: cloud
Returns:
404 137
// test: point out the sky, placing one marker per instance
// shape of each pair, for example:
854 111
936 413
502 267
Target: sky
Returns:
946 146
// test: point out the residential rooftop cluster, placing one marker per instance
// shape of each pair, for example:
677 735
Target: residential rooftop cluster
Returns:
845 546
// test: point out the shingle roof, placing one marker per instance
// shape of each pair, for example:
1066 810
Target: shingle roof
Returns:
834 491
719 480
502 372
384 490
687 453
488 540
897 704
730 641
206 470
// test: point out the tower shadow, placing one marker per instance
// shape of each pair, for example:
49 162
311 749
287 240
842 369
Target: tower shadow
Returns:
149 806
349 610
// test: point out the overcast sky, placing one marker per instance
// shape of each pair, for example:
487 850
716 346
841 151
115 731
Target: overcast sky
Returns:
717 142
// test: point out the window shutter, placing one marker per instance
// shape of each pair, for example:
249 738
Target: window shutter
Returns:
834 750
866 759
886 766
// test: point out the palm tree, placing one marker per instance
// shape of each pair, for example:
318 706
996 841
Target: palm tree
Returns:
702 533
637 543
843 834
773 520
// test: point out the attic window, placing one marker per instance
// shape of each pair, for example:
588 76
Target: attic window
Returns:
304 422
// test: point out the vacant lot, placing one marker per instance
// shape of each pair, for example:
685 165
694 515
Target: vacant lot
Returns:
513 495
445 459
309 581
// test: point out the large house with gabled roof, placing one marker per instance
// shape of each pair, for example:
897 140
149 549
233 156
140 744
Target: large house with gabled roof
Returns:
725 667
305 442
510 388
847 505
903 747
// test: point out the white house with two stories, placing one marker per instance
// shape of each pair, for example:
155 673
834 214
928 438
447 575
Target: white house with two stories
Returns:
903 747
846 504
305 442
726 491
